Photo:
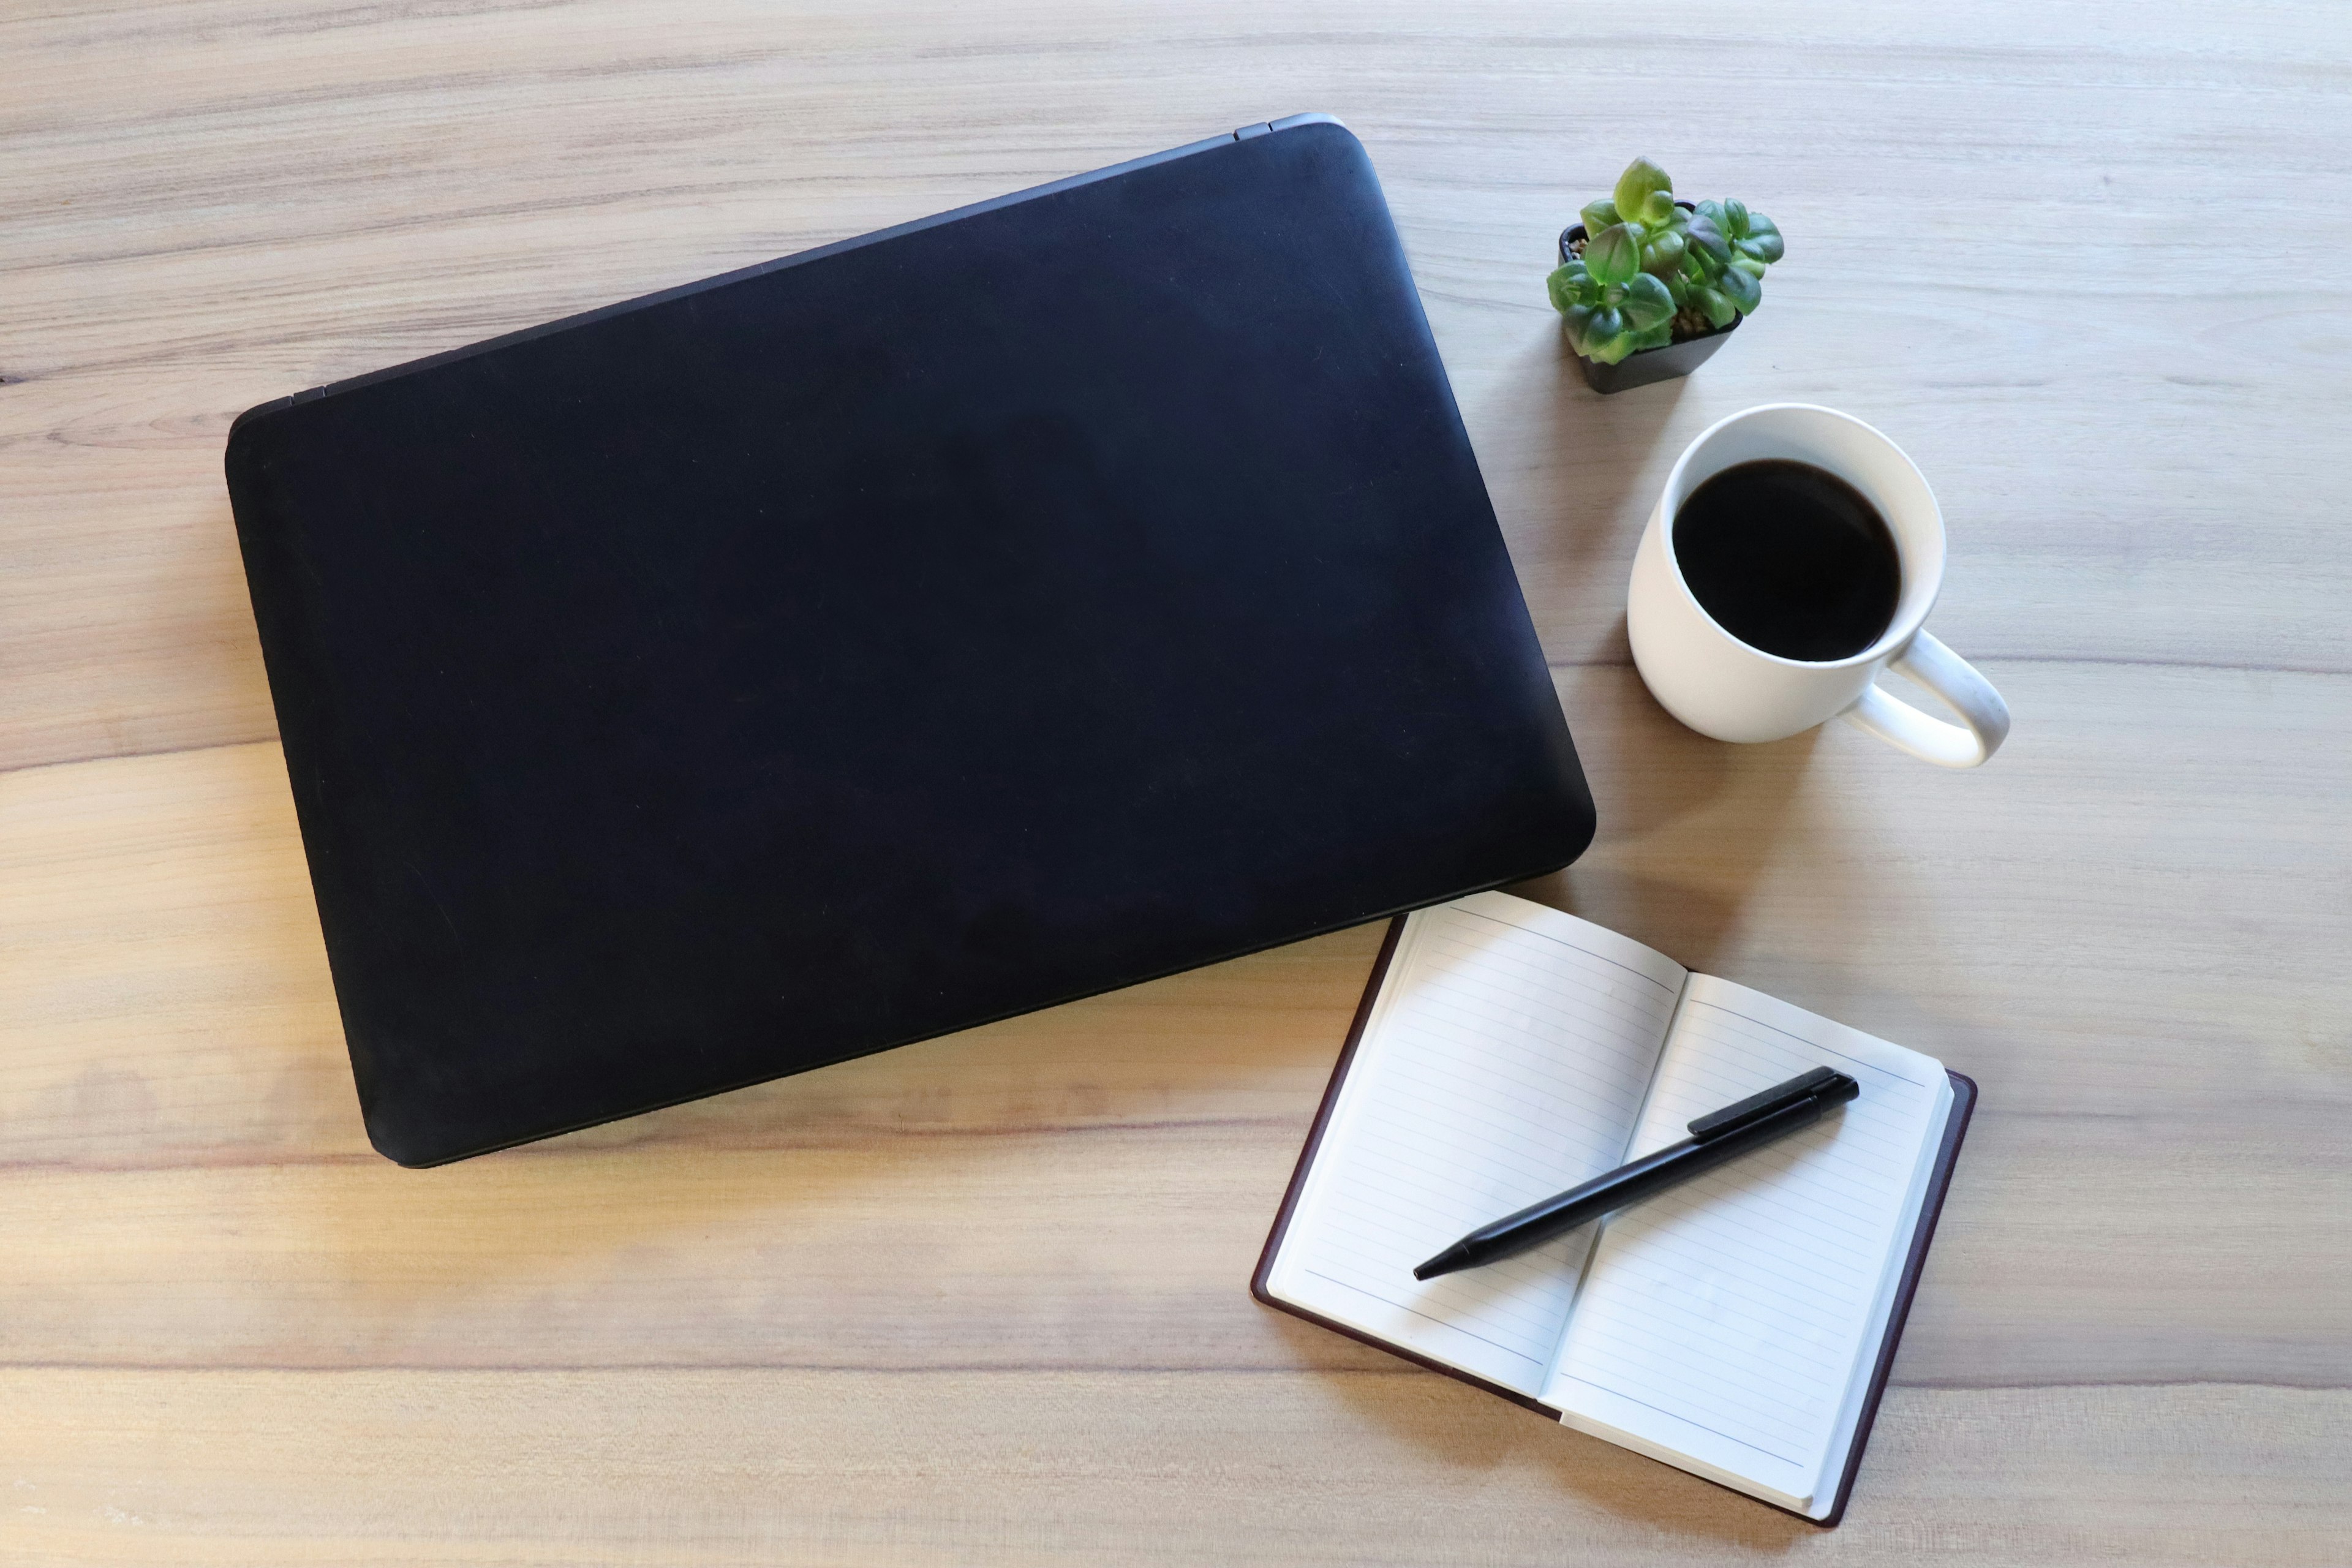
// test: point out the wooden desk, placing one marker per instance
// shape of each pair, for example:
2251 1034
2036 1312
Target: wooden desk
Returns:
982 1300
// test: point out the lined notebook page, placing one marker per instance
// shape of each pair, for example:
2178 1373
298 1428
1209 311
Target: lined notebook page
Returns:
1724 1320
1505 1059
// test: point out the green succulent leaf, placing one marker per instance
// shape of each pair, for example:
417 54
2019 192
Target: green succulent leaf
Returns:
1747 264
1762 242
1640 182
1656 337
1662 253
1704 239
1561 288
1570 285
1609 351
1599 333
1614 255
1598 215
1647 303
1735 221
1740 288
1658 208
1718 310
1594 329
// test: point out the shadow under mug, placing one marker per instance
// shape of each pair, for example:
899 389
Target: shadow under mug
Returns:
1725 687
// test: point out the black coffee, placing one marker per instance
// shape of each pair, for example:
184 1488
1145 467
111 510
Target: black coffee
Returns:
1789 558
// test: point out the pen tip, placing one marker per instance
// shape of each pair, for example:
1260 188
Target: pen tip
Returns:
1445 1262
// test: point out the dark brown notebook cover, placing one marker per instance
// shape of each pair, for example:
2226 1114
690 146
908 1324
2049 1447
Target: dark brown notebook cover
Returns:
1964 1103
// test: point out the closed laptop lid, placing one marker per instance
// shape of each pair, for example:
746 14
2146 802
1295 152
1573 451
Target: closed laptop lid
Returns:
1019 603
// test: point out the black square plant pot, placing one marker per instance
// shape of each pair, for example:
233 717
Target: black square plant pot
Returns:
1646 365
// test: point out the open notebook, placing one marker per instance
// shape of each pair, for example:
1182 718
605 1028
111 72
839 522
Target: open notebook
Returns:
1739 1326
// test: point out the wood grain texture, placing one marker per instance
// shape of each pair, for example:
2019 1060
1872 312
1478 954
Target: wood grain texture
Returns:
983 1299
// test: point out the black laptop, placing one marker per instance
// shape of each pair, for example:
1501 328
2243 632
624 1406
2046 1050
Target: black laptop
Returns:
1001 608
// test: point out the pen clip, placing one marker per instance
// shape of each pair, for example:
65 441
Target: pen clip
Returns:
1826 1084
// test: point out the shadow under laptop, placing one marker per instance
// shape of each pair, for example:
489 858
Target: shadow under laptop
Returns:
1067 1189
1573 476
1687 825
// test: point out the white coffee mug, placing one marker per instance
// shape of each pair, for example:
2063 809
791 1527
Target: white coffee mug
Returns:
1722 687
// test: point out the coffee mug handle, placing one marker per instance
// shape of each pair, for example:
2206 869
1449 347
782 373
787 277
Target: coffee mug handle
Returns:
1951 677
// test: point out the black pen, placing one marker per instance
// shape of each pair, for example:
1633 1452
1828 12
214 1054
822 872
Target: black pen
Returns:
1714 1137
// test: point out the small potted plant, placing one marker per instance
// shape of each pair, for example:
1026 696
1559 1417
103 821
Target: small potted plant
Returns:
1648 287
